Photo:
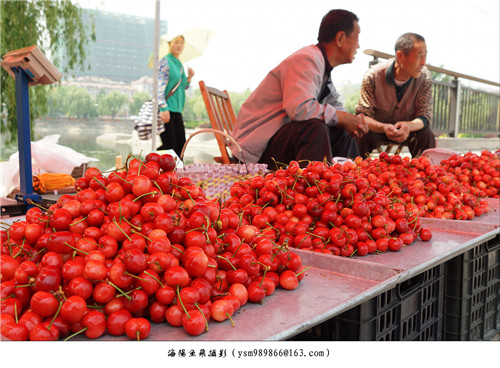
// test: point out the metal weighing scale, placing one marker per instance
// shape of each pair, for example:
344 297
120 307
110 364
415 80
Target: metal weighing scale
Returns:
29 67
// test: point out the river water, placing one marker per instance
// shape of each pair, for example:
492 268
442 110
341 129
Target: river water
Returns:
104 140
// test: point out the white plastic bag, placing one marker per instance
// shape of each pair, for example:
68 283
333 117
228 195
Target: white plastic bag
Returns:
9 175
47 156
54 158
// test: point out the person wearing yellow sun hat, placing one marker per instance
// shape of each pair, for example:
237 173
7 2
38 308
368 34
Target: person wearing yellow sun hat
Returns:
172 83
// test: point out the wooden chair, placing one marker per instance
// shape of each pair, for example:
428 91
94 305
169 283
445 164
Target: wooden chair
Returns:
222 118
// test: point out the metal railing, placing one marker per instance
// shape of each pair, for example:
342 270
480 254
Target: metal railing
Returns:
459 108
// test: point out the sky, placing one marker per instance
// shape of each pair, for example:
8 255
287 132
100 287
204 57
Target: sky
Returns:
253 37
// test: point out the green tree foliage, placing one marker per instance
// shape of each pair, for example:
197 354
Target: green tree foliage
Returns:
350 102
195 110
441 77
71 101
81 104
237 99
56 101
349 94
56 27
194 107
138 100
112 103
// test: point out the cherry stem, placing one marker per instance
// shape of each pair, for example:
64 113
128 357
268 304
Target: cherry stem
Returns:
143 195
120 290
281 247
134 276
118 176
182 304
304 238
203 314
21 248
304 270
29 201
238 249
266 268
74 223
76 249
177 249
315 235
154 277
101 184
158 186
123 232
229 316
338 199
128 222
61 292
76 333
55 315
94 306
227 260
187 191
317 186
196 229
141 234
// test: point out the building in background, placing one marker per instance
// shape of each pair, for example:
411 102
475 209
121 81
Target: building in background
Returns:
122 47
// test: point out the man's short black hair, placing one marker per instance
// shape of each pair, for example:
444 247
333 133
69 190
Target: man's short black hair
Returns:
406 41
335 21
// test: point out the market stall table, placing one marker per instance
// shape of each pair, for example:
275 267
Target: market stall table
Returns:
333 285
449 239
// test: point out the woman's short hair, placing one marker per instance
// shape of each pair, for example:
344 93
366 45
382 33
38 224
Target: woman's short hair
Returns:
406 41
335 21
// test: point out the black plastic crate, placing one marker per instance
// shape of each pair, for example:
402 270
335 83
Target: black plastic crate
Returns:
472 294
411 311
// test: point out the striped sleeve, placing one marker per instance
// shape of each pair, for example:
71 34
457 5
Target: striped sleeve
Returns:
163 74
424 103
366 100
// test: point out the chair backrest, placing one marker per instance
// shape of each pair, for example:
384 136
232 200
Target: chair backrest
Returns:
221 115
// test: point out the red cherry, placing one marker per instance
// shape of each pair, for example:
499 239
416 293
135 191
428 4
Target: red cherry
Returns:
95 324
167 162
15 331
73 309
137 328
44 332
425 235
44 303
116 321
194 323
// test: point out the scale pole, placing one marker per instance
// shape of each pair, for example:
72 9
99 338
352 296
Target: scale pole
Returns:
24 135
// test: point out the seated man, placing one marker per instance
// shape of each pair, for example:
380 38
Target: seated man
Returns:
396 99
295 112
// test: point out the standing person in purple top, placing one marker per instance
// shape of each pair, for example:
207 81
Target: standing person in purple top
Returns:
396 98
295 113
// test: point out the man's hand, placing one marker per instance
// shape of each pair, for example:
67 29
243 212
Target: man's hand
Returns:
355 125
165 116
398 132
